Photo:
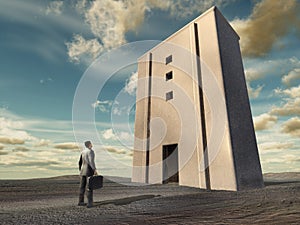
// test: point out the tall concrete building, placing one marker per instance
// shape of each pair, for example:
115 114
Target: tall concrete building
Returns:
193 121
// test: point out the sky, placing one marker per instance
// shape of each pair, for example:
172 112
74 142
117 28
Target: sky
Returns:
46 52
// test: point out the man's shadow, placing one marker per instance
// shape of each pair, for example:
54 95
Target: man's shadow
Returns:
125 201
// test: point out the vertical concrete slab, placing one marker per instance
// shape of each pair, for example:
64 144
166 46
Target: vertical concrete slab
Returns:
243 140
221 163
185 87
140 126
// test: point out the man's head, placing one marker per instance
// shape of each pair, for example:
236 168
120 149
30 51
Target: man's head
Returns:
88 144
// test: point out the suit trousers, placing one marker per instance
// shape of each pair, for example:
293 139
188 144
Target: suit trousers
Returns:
83 186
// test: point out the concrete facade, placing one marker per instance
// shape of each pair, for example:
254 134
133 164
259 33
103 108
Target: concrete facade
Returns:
193 120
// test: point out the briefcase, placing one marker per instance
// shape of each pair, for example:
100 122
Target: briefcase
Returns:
95 182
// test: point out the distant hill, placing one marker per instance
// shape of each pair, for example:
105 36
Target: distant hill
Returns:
286 176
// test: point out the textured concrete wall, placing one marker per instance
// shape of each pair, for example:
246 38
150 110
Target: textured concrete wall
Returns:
171 112
221 166
244 146
140 126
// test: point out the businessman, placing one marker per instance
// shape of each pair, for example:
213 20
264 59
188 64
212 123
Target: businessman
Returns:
87 169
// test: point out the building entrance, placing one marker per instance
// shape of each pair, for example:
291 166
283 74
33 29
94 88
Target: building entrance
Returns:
170 163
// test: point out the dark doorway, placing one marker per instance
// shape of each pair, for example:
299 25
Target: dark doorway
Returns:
170 163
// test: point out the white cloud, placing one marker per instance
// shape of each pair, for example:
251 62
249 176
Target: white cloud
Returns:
291 97
21 149
80 49
292 127
110 20
107 21
42 143
291 92
292 107
8 123
264 121
19 161
117 111
109 135
253 74
269 21
47 80
291 158
11 141
55 7
256 69
115 150
291 76
16 130
275 146
182 9
67 145
131 84
34 163
81 5
254 92
123 110
125 136
11 132
103 106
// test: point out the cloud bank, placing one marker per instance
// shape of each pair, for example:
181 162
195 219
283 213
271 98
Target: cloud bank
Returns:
292 102
292 127
269 22
115 150
291 76
55 7
11 141
67 145
264 121
275 146
292 107
21 149
292 92
81 49
254 92
109 21
131 84
12 133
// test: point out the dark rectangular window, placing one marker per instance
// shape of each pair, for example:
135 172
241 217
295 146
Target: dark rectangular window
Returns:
169 75
169 95
169 59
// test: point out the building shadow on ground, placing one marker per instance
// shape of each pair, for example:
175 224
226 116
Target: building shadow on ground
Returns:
269 183
125 201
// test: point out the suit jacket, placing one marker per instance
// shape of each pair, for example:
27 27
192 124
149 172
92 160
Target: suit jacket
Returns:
86 163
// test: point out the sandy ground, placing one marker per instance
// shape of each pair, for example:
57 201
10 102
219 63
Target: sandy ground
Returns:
54 201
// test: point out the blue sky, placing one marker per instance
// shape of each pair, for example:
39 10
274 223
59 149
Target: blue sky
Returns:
46 48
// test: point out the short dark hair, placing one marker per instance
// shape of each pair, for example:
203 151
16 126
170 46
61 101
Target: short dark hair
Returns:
87 143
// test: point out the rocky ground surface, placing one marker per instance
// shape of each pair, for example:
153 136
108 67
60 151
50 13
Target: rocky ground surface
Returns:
54 201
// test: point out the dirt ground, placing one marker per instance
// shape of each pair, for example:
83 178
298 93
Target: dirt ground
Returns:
54 201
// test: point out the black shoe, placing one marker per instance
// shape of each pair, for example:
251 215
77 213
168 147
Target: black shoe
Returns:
81 204
89 206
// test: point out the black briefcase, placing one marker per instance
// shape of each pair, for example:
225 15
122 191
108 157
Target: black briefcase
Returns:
95 182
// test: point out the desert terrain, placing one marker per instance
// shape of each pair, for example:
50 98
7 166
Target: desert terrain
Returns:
54 201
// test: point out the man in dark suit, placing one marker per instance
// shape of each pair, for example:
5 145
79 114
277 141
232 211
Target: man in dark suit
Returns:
87 169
